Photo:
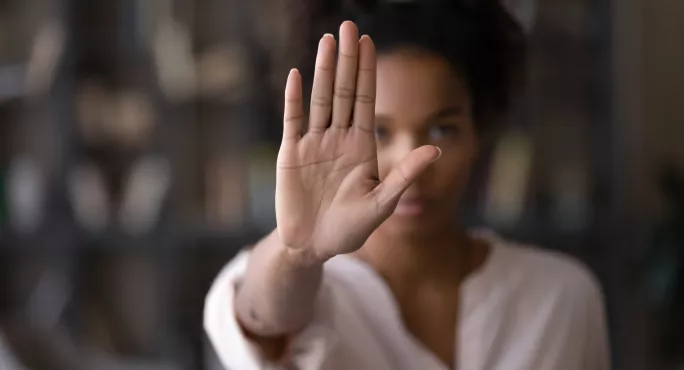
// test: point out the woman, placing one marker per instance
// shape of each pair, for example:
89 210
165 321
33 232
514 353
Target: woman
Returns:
368 267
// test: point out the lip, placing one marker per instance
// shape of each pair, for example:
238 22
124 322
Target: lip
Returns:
410 207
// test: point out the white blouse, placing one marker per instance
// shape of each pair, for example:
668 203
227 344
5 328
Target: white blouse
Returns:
523 309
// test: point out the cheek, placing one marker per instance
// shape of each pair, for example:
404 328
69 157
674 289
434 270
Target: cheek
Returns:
448 177
449 174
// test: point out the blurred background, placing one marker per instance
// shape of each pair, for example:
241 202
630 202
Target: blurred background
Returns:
137 149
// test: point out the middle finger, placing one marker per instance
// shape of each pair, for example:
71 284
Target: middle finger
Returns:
345 77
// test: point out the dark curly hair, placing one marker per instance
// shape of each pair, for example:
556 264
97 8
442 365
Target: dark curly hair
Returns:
479 39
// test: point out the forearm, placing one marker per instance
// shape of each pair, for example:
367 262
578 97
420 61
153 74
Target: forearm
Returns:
278 292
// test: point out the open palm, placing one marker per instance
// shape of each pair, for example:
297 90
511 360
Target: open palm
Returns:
329 197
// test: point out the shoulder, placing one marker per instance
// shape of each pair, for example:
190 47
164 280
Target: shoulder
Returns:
547 272
548 300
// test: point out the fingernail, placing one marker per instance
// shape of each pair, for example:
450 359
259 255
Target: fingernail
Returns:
364 37
329 35
438 155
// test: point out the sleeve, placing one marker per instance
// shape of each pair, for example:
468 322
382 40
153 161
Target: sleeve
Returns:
308 349
7 359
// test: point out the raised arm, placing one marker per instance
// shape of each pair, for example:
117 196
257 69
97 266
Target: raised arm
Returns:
329 198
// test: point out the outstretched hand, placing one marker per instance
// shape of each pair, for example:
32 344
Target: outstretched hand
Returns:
329 197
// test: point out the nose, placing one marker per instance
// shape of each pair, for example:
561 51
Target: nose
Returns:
396 150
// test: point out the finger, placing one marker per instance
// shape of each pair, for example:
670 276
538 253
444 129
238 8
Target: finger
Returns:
294 114
387 193
364 103
324 77
345 77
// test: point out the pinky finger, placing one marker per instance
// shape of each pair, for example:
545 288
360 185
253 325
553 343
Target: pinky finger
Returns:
293 117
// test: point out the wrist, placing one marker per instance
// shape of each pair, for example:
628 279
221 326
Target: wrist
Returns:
303 257
300 256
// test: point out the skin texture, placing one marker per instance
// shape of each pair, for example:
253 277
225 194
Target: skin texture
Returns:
421 102
365 179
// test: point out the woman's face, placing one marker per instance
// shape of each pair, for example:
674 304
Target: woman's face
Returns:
420 101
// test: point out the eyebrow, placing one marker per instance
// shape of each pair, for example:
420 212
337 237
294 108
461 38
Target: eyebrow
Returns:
448 112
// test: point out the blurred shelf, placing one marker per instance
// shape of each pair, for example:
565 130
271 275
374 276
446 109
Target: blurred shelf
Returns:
208 235
159 241
12 82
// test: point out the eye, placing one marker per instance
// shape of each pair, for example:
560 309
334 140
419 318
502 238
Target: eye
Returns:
380 133
442 131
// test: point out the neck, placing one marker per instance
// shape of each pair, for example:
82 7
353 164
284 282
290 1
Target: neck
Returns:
443 257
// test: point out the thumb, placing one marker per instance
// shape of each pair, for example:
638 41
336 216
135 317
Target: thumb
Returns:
387 193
